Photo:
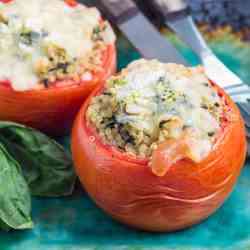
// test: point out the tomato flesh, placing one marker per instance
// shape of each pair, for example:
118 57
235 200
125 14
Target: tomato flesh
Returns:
5 1
71 3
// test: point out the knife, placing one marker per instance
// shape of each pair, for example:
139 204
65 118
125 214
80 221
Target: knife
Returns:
140 31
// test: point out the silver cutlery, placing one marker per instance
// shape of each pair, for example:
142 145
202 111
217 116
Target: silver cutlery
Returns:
139 30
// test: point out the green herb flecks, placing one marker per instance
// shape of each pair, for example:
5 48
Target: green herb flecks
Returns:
96 36
29 37
120 81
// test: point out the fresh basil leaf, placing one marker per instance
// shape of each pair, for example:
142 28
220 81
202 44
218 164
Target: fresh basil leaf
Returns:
46 165
4 226
14 194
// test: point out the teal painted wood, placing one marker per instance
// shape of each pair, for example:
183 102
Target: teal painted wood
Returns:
75 223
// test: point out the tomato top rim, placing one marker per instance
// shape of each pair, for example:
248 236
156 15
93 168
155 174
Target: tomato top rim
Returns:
106 56
90 131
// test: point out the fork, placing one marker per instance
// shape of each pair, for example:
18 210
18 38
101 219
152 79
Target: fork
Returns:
176 16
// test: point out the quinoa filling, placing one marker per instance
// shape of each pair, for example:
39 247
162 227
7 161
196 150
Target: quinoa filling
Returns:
150 102
44 41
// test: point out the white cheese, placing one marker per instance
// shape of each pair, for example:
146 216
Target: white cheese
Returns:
55 22
154 84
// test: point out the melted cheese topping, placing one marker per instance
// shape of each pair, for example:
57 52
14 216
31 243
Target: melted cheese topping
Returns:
28 27
188 88
151 102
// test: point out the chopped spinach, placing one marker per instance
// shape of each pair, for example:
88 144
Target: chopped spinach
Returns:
210 134
97 33
63 66
29 37
46 82
119 81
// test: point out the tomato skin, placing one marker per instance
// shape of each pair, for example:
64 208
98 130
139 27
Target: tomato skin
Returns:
128 190
52 110
5 1
71 3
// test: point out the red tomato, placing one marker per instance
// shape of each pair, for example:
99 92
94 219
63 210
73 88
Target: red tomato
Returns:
53 110
130 192
5 1
71 3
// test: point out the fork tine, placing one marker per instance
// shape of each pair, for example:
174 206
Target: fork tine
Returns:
247 133
234 86
246 120
237 87
246 108
248 148
238 92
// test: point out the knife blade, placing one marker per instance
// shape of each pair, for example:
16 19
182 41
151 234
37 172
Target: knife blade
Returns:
140 31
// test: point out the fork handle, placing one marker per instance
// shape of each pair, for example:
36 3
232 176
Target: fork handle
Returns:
168 8
118 10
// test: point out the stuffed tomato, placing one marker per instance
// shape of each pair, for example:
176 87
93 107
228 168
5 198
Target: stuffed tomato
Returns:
52 54
158 146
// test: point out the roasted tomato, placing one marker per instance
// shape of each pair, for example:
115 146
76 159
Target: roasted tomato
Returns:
52 108
185 194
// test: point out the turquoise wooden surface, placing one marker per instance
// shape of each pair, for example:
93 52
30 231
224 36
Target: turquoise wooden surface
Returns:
75 223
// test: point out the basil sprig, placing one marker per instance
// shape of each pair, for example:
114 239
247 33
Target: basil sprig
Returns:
30 164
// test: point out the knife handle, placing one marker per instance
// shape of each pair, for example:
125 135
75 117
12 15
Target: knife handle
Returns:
167 8
118 10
